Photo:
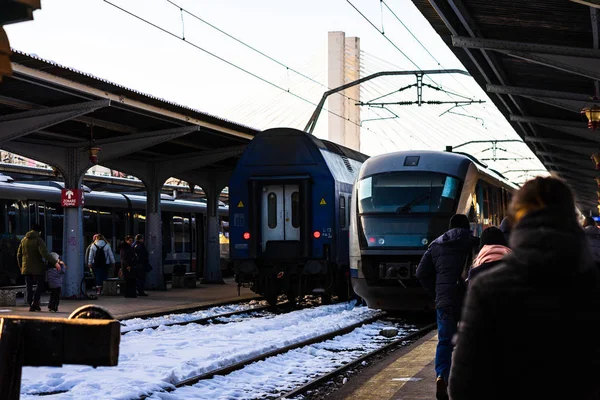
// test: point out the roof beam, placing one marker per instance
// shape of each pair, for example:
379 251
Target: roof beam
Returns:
529 92
574 102
13 126
579 61
564 157
573 128
580 147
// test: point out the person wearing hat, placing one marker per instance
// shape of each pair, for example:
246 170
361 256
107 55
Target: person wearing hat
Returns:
493 249
440 273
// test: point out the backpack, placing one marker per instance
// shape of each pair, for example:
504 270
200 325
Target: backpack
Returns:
100 256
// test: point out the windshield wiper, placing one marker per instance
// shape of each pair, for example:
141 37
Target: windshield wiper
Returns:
408 206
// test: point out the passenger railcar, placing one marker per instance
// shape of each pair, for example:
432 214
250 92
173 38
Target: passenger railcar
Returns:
114 215
289 215
401 202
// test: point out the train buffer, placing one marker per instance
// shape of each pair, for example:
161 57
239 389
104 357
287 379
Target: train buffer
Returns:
90 336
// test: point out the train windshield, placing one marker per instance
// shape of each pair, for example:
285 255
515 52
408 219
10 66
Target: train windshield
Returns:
406 209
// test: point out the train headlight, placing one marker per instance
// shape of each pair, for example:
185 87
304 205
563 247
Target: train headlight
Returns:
425 241
381 241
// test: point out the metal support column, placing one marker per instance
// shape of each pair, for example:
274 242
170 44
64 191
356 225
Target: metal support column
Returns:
73 252
155 279
212 265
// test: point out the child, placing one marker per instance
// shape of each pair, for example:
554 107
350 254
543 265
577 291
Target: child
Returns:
55 281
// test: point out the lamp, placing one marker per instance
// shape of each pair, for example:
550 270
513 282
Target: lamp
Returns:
596 159
93 149
593 115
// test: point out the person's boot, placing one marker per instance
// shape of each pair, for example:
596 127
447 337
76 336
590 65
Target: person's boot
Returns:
441 389
35 306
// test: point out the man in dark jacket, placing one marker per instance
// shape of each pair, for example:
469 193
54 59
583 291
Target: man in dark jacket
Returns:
142 263
440 272
30 256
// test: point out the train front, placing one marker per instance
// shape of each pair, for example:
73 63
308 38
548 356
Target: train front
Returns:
401 203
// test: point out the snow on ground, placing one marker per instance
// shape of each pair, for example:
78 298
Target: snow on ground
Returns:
156 358
278 375
139 323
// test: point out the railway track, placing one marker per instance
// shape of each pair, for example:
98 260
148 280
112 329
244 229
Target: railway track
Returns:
320 380
242 364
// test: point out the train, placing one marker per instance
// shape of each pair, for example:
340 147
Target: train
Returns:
402 201
112 214
289 215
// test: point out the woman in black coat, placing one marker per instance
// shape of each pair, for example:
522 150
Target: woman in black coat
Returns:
128 266
528 324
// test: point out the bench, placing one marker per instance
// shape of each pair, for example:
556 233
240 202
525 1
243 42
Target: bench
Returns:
8 295
111 286
188 280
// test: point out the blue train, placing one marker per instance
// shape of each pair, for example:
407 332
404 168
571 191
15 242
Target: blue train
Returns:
289 215
402 202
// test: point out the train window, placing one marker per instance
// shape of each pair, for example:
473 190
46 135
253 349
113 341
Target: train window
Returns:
54 226
342 212
167 233
178 233
296 209
349 210
139 222
120 219
90 224
272 210
105 224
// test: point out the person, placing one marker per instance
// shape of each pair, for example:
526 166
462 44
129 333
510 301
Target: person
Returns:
593 235
440 272
31 254
128 266
100 257
142 264
55 282
493 249
505 227
511 334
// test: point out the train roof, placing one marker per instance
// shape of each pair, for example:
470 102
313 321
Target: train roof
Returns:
52 193
451 163
320 143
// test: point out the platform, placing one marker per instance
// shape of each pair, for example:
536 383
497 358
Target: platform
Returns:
157 302
407 374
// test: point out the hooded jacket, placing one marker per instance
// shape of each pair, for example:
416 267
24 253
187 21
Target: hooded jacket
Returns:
108 253
31 255
489 256
55 277
593 235
442 265
511 334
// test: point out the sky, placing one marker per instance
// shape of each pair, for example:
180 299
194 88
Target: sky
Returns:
281 86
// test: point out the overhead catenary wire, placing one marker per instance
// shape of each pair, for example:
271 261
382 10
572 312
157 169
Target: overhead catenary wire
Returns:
223 59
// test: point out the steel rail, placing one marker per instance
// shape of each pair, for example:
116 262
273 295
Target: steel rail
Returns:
324 378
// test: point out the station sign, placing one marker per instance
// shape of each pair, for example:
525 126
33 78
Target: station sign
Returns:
71 198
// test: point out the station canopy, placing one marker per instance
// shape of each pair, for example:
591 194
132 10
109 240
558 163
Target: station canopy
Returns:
46 105
540 63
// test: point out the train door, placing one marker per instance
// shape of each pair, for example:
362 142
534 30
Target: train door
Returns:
281 214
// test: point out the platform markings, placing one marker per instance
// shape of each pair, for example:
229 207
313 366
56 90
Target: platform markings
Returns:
385 384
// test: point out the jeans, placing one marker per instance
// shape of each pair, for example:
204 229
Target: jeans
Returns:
41 287
447 321
100 273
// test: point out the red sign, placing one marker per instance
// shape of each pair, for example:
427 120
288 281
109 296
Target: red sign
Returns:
71 198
